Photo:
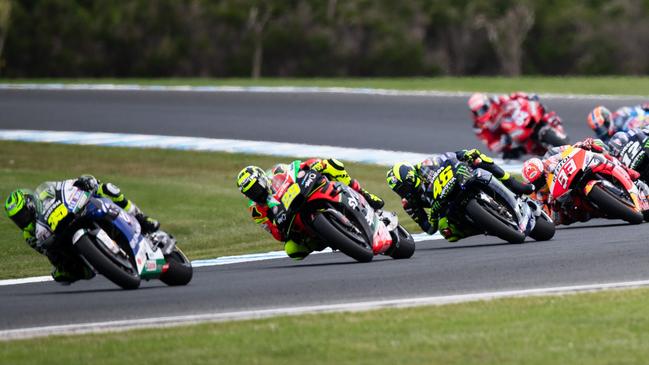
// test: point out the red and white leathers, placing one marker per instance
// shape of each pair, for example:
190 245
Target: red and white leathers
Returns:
487 124
574 210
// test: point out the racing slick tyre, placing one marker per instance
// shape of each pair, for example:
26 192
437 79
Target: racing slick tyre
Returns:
614 207
551 137
335 235
180 270
543 229
493 224
118 270
404 247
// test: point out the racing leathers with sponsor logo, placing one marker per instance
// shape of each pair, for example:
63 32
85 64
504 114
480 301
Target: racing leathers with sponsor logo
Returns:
487 111
629 145
415 185
31 211
573 210
270 213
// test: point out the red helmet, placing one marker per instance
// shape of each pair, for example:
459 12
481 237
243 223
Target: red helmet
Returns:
600 121
481 107
533 170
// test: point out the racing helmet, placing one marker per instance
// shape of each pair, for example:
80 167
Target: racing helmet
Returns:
403 179
21 207
534 172
600 121
253 182
480 107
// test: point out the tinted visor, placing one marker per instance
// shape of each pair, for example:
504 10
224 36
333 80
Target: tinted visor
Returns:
257 193
23 218
404 189
482 111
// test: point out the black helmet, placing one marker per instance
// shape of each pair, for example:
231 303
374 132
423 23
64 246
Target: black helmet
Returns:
404 179
21 207
253 183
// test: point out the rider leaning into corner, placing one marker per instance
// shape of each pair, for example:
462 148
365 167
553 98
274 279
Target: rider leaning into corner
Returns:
265 210
605 124
535 171
486 111
414 184
26 209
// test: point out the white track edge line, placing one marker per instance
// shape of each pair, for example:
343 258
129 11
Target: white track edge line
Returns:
282 89
170 321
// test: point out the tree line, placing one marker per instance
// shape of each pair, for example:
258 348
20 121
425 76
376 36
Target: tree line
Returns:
326 38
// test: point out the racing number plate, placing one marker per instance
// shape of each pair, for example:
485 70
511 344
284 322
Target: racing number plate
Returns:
290 194
56 216
441 181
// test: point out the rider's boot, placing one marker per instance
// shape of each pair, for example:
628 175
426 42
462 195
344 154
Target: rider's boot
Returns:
374 201
518 187
148 224
450 231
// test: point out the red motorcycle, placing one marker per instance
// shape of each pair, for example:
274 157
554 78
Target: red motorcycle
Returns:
604 186
333 214
522 121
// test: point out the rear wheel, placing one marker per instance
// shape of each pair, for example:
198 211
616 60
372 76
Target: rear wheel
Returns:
552 138
180 270
543 229
404 244
113 268
332 234
487 220
614 206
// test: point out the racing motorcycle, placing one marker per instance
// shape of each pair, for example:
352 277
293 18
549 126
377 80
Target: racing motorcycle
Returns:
633 151
333 214
603 186
479 203
109 240
523 124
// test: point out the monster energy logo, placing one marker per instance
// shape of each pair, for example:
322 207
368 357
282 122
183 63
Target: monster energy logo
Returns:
463 171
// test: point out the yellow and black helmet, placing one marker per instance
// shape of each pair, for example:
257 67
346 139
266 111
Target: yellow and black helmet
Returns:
20 206
404 179
253 182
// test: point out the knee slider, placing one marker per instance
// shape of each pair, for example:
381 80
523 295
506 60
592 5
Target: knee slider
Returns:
296 251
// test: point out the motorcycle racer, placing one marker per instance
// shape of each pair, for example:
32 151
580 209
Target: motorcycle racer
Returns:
265 210
413 183
487 112
605 124
535 172
25 208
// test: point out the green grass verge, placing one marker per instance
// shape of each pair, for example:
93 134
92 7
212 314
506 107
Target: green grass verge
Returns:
596 328
623 85
193 194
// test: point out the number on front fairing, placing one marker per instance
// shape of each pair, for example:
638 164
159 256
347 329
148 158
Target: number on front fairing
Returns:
566 171
441 181
290 194
56 216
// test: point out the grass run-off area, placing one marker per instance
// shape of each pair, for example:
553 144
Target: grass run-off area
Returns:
622 85
193 194
595 328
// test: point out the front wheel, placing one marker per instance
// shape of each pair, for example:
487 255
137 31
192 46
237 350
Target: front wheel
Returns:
551 137
613 206
332 235
543 229
404 244
180 269
124 275
488 222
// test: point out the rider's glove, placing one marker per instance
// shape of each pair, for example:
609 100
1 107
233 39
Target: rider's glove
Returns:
590 144
475 156
87 183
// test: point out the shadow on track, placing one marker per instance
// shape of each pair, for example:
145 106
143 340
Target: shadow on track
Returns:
603 225
91 291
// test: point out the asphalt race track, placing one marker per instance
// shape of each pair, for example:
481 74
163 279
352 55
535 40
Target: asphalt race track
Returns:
597 252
